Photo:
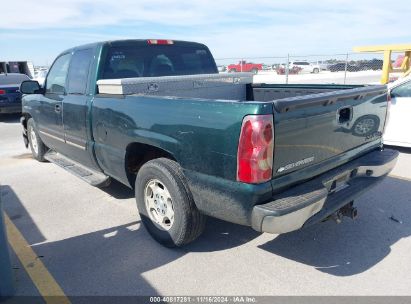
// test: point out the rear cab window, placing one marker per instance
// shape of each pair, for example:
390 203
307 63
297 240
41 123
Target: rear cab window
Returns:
140 59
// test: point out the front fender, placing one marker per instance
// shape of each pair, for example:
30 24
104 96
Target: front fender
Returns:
23 121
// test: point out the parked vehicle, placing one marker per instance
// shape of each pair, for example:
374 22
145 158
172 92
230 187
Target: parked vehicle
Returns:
281 70
10 96
156 116
243 66
324 65
397 131
374 64
305 67
222 68
398 62
266 67
338 67
20 67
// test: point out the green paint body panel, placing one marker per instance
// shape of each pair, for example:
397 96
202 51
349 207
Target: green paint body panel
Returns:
202 135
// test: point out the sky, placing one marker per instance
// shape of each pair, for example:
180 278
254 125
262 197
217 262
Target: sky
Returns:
38 30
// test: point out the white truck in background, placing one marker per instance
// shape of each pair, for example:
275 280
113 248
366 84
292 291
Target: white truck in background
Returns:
21 67
306 67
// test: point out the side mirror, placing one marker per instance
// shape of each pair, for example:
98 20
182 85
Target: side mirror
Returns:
30 87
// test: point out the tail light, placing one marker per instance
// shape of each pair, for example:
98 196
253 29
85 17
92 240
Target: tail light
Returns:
159 41
2 92
255 149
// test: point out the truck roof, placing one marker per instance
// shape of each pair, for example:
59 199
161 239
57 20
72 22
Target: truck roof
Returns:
128 42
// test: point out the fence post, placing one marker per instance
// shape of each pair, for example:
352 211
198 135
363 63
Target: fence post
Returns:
287 68
6 278
346 66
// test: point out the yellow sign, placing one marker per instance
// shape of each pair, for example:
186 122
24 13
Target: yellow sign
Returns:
387 50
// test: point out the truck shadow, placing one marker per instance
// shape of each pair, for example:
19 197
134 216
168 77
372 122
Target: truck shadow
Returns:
400 149
112 261
121 260
118 190
352 247
10 118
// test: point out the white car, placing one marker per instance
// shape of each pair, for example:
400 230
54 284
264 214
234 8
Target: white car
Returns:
305 67
397 131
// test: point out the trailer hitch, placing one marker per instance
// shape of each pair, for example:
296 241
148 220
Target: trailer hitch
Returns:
347 210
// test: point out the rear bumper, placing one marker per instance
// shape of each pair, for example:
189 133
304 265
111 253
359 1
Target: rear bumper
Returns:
313 201
8 108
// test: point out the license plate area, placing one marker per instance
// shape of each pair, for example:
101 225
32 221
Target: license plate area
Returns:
339 182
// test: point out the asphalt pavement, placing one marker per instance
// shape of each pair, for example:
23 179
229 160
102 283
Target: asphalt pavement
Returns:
92 242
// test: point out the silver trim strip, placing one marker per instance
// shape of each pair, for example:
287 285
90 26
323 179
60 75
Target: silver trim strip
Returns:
75 145
83 147
52 136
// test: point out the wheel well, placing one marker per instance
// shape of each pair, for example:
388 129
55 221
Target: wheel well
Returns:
24 121
137 154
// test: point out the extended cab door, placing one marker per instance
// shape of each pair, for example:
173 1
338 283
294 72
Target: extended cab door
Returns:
76 109
49 112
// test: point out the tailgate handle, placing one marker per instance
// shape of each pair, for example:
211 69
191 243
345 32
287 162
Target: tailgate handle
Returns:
344 115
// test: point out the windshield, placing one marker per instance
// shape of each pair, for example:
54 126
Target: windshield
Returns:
6 79
158 60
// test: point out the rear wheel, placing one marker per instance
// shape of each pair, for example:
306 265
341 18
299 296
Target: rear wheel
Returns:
165 204
316 71
232 71
37 147
254 71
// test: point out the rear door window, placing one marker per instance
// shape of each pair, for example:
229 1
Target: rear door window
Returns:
78 72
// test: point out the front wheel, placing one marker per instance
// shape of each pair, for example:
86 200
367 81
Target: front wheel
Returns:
316 71
37 147
166 205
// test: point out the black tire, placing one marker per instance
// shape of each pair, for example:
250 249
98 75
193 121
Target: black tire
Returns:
316 71
232 71
37 150
188 222
254 71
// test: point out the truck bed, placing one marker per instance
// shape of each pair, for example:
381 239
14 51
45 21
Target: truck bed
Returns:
313 123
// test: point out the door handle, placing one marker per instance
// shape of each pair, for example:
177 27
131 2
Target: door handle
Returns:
57 108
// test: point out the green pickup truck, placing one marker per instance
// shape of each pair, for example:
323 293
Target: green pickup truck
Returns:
157 116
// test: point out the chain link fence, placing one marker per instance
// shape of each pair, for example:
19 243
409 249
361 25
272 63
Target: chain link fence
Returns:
350 68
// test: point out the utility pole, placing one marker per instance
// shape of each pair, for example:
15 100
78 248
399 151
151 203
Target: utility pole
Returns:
287 68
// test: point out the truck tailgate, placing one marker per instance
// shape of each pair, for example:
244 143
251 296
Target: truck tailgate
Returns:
313 128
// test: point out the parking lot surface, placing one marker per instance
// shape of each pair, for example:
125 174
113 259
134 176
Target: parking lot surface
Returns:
92 242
